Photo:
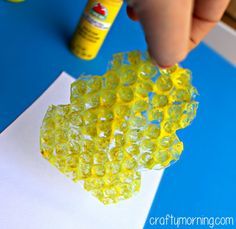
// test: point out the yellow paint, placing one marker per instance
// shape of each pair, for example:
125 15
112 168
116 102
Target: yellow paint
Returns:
15 1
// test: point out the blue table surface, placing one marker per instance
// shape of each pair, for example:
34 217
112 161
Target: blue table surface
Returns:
34 50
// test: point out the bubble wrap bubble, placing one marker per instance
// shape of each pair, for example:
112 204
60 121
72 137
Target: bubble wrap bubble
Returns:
119 124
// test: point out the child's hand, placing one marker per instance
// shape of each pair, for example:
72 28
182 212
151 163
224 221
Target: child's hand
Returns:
174 27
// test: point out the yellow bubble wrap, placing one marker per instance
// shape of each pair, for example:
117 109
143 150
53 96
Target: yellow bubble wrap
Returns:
119 124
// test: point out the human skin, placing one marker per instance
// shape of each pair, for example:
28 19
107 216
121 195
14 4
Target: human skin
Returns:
174 27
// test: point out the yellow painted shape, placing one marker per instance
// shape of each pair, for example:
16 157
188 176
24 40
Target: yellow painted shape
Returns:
119 124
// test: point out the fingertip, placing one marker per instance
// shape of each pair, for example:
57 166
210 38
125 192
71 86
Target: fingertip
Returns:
163 60
182 55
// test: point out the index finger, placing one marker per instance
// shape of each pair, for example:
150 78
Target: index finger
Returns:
205 15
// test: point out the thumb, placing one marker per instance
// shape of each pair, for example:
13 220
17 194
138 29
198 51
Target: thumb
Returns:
166 26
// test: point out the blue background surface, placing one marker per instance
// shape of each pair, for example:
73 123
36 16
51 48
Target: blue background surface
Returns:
34 50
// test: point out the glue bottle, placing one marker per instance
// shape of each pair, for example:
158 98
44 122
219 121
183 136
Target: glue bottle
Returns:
93 27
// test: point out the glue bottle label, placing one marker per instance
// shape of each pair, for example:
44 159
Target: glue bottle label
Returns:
94 26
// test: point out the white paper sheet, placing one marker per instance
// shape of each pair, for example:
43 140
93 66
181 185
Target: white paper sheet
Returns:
35 195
